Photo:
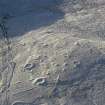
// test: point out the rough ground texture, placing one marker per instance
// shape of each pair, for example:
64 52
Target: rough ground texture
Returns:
52 52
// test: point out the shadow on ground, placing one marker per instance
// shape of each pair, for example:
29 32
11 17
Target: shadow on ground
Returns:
20 25
31 17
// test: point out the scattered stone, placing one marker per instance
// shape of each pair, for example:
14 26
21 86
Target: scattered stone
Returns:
66 55
29 66
57 65
64 69
76 63
77 44
45 45
22 103
39 81
44 104
65 64
49 32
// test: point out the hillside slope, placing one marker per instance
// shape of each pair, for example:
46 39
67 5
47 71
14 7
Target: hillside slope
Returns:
52 52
